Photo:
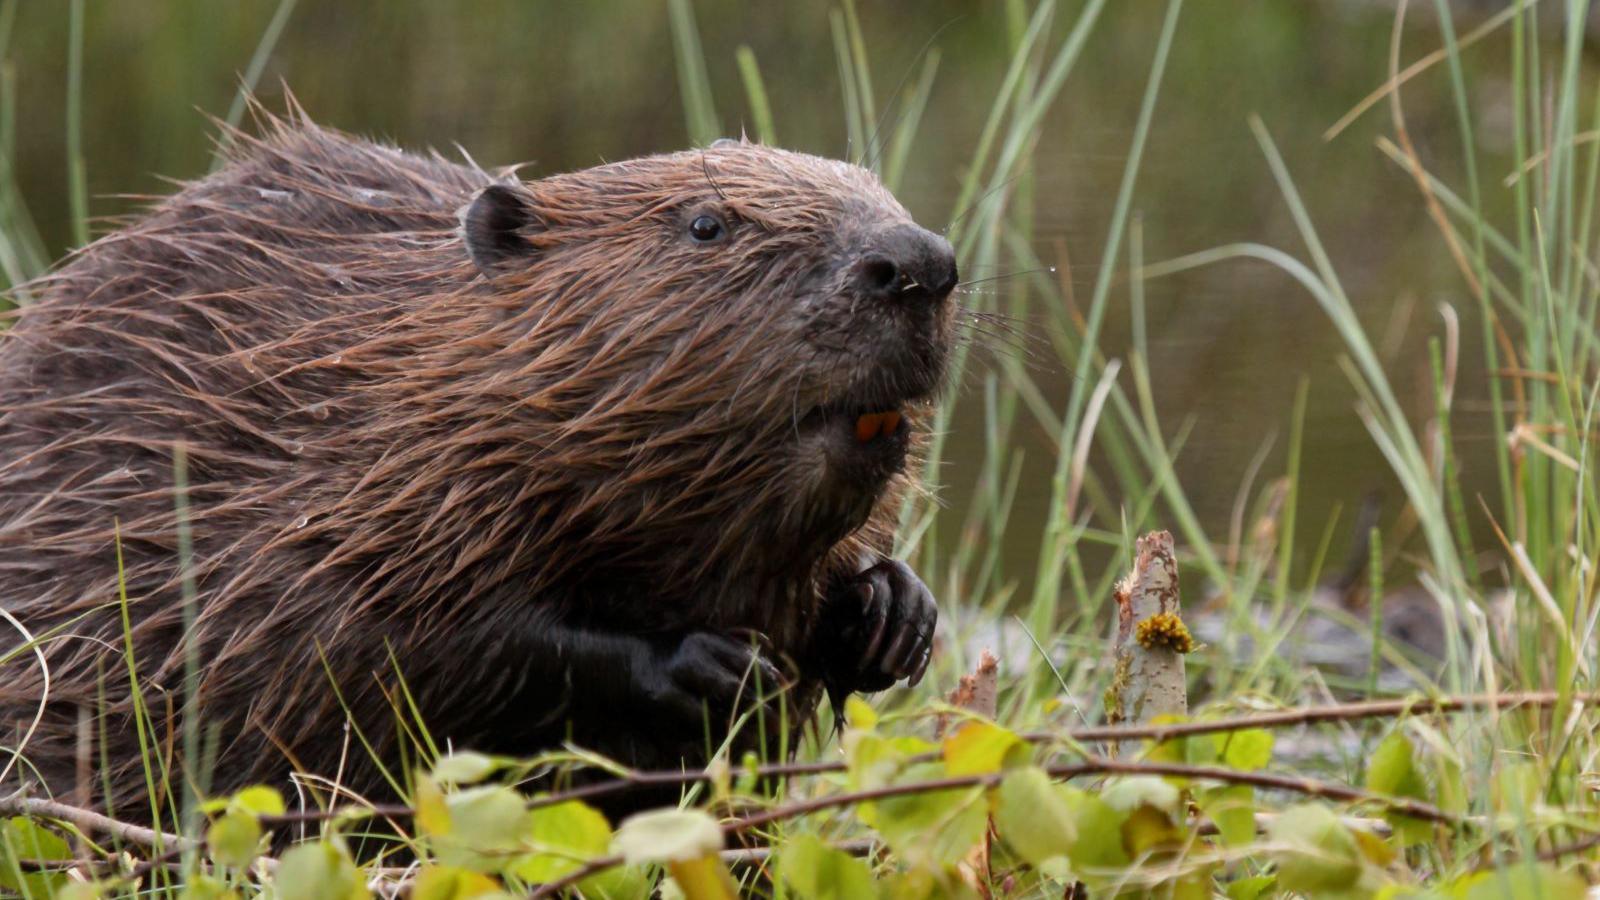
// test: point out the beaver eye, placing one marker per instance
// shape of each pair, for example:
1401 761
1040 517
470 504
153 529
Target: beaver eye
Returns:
705 229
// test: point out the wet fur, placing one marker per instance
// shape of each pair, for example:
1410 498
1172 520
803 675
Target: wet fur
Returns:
396 461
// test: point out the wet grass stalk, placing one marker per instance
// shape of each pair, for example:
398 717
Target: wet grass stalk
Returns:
77 175
1374 605
192 788
22 253
755 89
699 107
252 75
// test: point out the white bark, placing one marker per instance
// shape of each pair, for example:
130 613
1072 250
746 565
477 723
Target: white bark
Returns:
1148 679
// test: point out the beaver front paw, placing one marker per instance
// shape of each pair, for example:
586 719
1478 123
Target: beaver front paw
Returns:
877 628
708 673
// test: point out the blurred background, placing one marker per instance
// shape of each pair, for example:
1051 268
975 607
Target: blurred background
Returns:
564 85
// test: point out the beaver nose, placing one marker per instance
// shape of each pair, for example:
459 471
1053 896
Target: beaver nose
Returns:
908 264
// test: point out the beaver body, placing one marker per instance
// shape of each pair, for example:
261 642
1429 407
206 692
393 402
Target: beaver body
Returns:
579 459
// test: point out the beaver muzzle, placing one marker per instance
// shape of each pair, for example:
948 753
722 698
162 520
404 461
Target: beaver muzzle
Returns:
910 273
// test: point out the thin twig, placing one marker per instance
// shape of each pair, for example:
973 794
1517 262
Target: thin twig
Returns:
1552 854
631 780
1587 842
1311 715
853 846
90 821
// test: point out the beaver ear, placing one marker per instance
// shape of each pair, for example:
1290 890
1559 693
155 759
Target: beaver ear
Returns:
494 227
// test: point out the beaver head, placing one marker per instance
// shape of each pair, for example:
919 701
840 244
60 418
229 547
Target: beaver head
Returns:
737 343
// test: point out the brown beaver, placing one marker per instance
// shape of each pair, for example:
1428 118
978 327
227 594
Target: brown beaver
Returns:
582 458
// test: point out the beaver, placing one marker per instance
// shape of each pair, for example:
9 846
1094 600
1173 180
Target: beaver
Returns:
580 459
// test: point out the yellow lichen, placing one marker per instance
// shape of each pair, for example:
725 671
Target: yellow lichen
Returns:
1165 630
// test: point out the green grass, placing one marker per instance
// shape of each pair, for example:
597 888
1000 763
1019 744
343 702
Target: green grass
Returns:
1519 614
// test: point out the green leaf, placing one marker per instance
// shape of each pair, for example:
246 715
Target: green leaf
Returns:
814 871
936 828
979 748
1246 750
1378 851
259 799
1393 772
1393 769
449 883
704 877
564 836
1316 852
433 814
22 838
872 760
1099 829
859 714
319 871
1032 817
234 838
486 823
465 767
667 835
875 761
619 883
1127 794
1233 808
1147 829
1172 750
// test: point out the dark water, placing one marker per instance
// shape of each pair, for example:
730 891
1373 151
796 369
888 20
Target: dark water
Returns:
566 85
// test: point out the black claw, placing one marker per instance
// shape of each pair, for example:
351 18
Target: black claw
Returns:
870 653
865 592
922 667
890 664
907 663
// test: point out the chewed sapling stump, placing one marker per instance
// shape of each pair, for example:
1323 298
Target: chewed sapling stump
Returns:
1148 678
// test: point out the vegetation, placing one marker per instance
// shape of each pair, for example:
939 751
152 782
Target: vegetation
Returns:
1473 779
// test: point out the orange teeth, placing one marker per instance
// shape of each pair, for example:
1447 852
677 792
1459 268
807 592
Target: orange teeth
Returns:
867 427
871 425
